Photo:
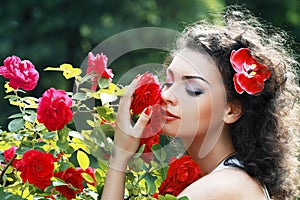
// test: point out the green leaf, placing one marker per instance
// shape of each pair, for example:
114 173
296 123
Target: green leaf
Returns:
63 134
76 134
108 130
164 171
29 118
22 149
83 160
87 177
103 82
136 165
17 115
170 197
106 112
150 183
159 152
16 125
63 145
79 96
160 197
58 182
49 135
183 198
140 151
98 176
8 196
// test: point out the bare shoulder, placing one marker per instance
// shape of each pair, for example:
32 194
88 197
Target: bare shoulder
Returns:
231 183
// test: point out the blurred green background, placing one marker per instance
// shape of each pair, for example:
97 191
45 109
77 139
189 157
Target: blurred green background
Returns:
52 32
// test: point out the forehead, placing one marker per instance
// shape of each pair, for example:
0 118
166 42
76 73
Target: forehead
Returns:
190 62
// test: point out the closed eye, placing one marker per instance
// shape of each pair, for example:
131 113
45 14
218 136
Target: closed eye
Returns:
194 92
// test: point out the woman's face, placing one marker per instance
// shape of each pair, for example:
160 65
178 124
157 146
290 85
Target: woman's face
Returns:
194 96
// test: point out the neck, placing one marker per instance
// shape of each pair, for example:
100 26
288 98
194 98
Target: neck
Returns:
221 149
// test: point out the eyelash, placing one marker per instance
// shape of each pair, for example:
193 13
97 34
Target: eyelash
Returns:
190 92
194 93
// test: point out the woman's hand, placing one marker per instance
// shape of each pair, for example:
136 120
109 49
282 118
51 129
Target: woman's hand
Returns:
127 136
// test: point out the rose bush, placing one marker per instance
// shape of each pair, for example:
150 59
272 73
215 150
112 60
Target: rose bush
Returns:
44 156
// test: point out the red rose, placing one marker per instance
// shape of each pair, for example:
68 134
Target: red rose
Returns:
54 109
37 168
181 173
147 93
98 65
73 177
149 142
22 74
9 153
18 164
250 74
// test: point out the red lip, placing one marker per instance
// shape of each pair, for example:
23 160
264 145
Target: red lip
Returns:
170 116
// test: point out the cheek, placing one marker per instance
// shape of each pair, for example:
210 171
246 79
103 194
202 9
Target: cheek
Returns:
203 115
196 117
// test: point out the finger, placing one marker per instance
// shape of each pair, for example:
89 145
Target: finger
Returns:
142 122
125 101
131 88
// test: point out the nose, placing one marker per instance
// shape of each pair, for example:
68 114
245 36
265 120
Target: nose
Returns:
168 96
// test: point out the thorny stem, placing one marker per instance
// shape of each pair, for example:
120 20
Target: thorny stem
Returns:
5 169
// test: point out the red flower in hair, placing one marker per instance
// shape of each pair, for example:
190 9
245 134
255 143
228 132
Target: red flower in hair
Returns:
250 74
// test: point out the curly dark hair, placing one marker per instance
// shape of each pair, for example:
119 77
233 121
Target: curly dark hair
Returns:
266 135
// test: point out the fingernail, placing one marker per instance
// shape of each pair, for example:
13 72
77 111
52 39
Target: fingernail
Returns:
148 110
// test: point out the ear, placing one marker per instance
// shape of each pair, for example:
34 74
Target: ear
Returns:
233 112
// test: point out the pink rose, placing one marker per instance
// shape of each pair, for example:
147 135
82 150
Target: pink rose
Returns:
54 109
9 153
22 74
98 65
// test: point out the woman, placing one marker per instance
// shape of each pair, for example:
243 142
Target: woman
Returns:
230 94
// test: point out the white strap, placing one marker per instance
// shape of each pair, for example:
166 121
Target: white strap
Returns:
266 192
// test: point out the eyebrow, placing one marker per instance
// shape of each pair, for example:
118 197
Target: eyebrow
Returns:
195 77
190 77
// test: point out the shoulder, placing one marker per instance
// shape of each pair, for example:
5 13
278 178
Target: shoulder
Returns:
231 183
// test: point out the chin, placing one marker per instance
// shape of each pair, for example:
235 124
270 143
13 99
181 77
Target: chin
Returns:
169 131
